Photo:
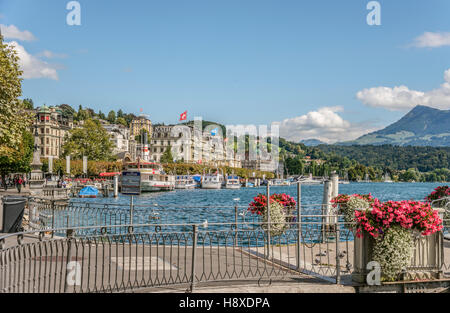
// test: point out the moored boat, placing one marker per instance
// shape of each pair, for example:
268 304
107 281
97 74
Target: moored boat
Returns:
212 181
185 182
232 182
153 177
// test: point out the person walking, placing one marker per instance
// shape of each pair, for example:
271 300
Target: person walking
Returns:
19 183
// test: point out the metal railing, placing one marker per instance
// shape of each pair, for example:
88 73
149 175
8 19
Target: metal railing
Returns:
131 259
93 247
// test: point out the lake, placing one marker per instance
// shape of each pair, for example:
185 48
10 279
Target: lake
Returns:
217 206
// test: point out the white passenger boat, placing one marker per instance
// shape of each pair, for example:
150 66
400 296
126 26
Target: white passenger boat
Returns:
212 181
280 182
185 182
153 177
310 181
232 182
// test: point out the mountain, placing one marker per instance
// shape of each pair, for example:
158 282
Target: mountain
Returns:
422 126
312 142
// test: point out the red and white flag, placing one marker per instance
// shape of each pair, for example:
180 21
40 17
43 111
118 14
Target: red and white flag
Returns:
183 116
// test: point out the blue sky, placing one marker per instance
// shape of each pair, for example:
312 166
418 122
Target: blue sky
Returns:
316 67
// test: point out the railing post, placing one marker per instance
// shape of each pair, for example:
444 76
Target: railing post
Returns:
69 235
235 224
131 210
326 204
338 260
299 223
194 248
268 220
52 203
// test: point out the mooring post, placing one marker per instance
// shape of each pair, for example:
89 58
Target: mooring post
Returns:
334 194
299 223
268 220
116 186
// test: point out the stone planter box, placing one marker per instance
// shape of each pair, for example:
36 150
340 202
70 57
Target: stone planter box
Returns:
426 261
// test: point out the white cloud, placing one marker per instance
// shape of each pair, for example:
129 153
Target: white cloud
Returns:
324 124
432 40
51 55
12 32
402 98
33 67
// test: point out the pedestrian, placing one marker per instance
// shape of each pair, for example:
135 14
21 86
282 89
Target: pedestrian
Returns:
19 183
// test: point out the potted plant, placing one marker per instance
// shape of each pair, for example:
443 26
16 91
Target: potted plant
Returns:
281 208
399 235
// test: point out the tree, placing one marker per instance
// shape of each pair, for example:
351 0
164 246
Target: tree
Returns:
101 115
139 138
28 104
167 156
121 121
14 120
111 117
90 140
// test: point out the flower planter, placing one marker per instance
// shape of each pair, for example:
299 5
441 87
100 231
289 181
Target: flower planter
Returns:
426 261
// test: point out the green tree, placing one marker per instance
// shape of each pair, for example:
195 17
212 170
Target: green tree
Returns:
167 156
90 140
28 104
121 121
14 121
111 117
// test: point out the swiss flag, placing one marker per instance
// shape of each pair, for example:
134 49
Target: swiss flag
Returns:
183 116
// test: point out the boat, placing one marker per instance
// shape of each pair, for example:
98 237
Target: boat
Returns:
88 192
232 182
310 181
280 182
345 181
212 181
387 178
185 182
153 177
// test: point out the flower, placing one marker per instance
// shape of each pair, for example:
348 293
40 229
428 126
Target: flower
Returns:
259 203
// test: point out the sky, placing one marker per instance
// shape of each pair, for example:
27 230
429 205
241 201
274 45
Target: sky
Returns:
315 68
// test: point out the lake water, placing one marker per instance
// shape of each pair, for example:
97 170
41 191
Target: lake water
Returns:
310 194
217 206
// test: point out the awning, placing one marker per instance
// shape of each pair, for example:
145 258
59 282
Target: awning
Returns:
109 174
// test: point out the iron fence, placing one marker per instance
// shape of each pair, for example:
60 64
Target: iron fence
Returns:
130 259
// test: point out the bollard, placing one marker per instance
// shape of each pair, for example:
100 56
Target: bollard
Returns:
116 186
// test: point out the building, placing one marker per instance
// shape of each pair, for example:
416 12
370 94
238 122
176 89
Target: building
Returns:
161 140
119 136
260 165
138 124
52 126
